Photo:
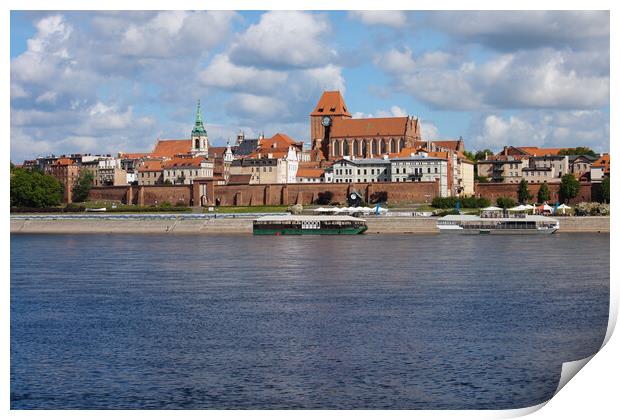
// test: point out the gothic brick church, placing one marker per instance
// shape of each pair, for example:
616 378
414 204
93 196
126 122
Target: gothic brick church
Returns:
335 134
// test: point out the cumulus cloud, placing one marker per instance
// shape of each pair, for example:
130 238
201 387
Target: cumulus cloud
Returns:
222 73
516 30
550 129
285 39
539 79
170 34
393 18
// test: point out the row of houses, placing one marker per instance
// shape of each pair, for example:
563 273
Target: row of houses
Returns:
342 150
535 165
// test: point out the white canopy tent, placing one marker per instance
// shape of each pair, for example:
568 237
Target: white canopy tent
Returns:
520 207
491 208
564 207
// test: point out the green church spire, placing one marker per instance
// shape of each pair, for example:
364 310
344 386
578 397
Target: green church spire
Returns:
199 129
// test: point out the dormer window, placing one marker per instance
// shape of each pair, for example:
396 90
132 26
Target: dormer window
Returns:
320 109
332 109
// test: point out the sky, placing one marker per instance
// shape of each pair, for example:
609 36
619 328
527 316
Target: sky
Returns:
109 82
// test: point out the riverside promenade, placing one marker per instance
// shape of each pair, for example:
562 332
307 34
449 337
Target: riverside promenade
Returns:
237 224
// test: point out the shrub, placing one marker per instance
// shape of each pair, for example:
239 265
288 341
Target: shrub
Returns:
505 202
324 197
379 197
592 209
466 202
295 209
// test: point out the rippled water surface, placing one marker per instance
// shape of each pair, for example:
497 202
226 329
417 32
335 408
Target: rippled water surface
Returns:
197 322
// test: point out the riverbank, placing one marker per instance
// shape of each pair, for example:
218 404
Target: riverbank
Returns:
243 225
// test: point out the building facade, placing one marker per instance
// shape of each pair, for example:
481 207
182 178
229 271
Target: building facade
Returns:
337 135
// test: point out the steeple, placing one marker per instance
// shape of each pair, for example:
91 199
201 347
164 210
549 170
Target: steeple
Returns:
199 129
200 140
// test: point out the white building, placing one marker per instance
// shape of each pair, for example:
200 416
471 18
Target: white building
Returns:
421 168
361 170
185 170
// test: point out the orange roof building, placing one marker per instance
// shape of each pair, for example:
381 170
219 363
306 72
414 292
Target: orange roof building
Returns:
171 148
336 134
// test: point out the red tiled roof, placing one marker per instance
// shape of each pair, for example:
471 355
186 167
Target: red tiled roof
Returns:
63 162
331 103
309 172
369 127
448 144
217 151
170 148
278 140
602 161
239 179
151 166
179 162
539 151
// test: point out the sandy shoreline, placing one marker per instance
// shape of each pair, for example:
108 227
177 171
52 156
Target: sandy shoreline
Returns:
243 225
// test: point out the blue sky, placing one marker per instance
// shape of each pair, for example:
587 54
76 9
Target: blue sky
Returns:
104 82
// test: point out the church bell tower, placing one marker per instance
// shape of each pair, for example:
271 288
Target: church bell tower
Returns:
200 140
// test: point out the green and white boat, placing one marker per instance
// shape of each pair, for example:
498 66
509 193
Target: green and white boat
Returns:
309 225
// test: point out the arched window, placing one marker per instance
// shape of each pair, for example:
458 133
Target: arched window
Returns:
345 148
356 148
197 144
373 146
401 143
336 148
393 146
364 149
382 146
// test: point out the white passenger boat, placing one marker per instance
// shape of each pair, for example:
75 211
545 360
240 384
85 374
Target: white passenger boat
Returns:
517 224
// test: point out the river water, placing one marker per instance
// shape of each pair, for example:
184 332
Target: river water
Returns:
200 322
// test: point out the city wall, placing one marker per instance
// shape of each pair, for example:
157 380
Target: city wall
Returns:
494 190
258 195
285 194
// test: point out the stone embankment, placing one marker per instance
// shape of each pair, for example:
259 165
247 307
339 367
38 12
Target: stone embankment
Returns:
243 225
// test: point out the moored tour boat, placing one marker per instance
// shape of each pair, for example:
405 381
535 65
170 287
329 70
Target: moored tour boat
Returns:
309 225
524 224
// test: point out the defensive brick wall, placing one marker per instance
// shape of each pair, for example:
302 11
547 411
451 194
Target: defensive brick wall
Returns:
117 193
270 194
494 190
273 194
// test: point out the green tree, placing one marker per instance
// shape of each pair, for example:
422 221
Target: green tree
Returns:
569 187
581 150
505 202
82 186
470 155
480 154
524 192
605 190
34 189
543 193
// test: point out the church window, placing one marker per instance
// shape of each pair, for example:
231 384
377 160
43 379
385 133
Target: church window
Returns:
197 144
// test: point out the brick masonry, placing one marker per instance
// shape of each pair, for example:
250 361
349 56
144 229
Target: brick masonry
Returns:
270 194
285 194
494 190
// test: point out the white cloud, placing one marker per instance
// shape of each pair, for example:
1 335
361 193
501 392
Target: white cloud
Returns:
257 106
170 34
429 131
517 30
284 39
394 18
550 129
224 74
527 79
